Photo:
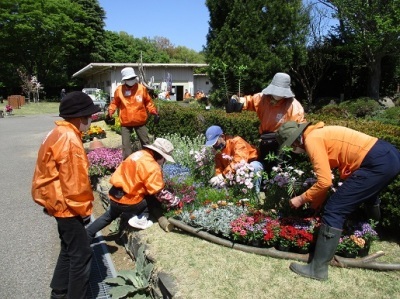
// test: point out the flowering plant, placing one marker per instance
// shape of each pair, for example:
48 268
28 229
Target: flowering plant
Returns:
271 233
104 161
248 228
9 109
366 231
241 179
297 232
285 181
350 245
94 131
204 165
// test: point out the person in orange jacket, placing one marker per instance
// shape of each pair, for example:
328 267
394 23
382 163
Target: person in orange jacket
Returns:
61 185
138 186
187 95
236 148
275 105
366 164
133 101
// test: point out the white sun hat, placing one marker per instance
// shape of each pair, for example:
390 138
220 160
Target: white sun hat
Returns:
163 147
280 86
128 73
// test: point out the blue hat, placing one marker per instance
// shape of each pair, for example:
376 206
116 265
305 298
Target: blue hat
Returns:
212 135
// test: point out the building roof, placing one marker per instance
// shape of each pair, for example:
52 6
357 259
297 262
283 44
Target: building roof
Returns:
94 68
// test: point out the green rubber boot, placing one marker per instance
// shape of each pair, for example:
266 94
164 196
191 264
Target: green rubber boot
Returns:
328 239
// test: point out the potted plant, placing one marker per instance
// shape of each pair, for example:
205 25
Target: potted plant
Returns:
349 246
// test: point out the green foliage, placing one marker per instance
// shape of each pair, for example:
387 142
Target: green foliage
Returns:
388 116
42 36
368 31
361 107
131 283
264 36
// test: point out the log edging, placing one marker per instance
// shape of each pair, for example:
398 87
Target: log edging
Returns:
367 262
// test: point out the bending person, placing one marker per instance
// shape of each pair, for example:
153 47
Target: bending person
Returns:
137 185
366 164
237 149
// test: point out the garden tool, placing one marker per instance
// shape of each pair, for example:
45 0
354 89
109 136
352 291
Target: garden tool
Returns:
328 239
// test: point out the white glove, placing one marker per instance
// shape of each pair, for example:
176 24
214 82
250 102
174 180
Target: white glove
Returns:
174 202
217 180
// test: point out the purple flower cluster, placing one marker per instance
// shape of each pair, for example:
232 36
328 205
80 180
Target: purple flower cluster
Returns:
365 230
104 160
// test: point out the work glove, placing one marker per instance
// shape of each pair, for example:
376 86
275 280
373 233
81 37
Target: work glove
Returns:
168 198
217 180
109 120
156 119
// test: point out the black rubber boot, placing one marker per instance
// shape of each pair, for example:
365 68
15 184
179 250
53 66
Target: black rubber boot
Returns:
328 239
373 212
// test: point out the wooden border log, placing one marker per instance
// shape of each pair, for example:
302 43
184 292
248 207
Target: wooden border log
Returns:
367 262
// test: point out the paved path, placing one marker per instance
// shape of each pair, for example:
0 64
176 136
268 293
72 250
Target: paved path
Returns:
29 239
29 243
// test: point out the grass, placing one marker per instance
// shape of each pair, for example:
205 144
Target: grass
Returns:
206 270
34 108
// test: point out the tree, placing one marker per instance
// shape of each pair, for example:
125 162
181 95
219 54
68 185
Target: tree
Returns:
266 37
45 38
320 55
370 30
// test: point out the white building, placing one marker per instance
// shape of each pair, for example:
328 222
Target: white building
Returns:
180 76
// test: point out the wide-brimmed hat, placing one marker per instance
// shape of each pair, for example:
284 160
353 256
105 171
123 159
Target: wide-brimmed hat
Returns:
212 135
128 73
163 147
77 104
280 86
288 133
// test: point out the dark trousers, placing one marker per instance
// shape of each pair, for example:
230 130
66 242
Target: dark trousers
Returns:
113 212
126 132
379 167
72 271
268 146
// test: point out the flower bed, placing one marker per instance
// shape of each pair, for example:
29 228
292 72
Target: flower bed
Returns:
230 213
94 131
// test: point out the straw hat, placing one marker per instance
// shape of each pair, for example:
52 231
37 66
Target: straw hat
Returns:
163 147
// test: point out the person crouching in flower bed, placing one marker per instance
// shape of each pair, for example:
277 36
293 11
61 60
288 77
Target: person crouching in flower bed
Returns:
138 187
237 149
366 164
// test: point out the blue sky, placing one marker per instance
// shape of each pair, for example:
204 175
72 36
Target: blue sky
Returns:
183 22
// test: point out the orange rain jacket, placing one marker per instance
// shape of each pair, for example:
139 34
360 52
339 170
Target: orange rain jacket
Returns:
133 103
239 150
138 175
273 116
333 147
60 181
